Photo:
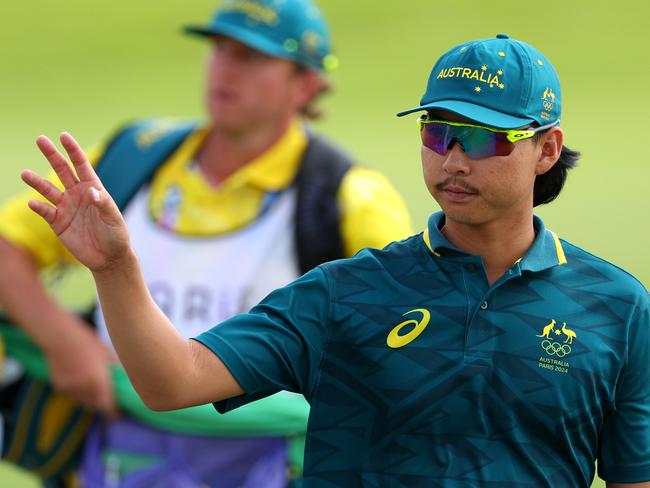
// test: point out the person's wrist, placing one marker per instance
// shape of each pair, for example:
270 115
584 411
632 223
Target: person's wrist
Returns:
118 267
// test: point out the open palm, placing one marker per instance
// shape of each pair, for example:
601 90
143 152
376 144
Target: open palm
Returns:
83 216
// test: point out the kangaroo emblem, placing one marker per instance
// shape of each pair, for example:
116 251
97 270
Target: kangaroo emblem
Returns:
548 328
549 95
570 335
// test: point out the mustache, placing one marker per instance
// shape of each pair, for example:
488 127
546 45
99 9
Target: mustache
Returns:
456 182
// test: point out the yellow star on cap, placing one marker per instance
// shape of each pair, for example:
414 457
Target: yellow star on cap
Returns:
311 39
502 86
477 89
500 72
483 67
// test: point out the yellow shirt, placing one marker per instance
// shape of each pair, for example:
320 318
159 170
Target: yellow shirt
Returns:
372 213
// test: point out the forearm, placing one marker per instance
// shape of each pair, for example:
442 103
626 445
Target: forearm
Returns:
157 359
26 301
167 371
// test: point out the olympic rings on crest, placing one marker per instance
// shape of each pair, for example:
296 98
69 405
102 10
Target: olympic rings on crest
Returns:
555 348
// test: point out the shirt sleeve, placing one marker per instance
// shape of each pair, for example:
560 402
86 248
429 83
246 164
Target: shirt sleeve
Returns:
28 231
625 443
279 344
373 213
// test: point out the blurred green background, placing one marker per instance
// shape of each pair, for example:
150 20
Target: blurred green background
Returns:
87 67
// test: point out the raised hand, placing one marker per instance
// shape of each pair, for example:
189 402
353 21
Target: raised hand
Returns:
83 216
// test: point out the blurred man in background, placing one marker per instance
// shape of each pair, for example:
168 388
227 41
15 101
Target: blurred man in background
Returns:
485 351
219 214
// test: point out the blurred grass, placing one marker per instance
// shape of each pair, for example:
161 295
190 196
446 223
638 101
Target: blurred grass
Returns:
87 67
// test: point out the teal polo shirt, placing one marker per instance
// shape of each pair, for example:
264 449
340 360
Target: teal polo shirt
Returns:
419 373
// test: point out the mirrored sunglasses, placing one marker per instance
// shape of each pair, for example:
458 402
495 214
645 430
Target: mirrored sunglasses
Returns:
477 141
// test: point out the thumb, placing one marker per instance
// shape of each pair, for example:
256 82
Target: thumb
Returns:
101 200
106 396
106 402
96 197
109 403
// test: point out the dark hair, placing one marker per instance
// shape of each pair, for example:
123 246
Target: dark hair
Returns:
549 185
311 110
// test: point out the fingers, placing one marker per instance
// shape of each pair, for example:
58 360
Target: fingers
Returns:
42 186
98 396
58 162
105 402
44 210
45 188
99 400
78 157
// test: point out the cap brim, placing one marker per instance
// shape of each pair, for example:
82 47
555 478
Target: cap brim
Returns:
245 36
477 113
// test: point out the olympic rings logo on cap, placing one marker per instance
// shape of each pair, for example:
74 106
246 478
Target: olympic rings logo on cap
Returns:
555 348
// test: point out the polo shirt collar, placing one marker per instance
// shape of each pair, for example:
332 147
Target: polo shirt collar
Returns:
276 168
434 239
546 251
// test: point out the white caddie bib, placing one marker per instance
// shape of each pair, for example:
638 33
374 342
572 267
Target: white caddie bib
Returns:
201 281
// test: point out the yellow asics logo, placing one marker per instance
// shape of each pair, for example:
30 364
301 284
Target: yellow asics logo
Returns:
395 340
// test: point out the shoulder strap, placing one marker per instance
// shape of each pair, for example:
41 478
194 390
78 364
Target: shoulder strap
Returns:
136 152
317 219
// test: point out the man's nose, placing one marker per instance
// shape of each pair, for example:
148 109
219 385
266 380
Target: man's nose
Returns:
225 63
456 161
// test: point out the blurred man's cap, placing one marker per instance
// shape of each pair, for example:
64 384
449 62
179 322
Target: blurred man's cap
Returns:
291 29
498 82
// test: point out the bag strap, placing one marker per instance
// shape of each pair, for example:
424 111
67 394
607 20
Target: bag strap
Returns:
317 219
136 152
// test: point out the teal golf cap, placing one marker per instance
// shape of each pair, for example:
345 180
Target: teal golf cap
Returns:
290 29
498 82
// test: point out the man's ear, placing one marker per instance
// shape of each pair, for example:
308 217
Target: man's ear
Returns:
312 84
549 148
